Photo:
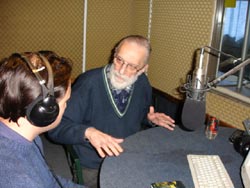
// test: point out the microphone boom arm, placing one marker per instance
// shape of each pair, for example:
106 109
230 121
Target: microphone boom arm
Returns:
230 72
198 85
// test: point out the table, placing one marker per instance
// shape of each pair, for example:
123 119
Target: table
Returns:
157 154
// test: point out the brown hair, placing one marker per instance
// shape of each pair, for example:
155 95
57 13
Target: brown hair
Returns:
19 86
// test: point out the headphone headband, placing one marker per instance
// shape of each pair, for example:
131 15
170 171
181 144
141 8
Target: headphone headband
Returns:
46 90
44 109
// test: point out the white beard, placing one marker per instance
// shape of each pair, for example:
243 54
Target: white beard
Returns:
119 81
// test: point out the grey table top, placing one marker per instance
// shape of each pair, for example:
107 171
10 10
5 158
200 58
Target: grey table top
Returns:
157 154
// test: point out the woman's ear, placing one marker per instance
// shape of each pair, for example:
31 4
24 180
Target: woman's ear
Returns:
23 121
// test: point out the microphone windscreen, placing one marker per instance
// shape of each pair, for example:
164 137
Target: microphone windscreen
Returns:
193 114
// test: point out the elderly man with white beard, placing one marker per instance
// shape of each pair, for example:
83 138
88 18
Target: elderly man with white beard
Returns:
107 105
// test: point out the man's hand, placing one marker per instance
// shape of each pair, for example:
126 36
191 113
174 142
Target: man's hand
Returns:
105 144
161 119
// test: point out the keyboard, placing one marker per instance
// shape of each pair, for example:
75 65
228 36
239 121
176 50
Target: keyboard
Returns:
208 171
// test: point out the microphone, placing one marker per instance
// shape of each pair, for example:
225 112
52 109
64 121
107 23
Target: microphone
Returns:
194 108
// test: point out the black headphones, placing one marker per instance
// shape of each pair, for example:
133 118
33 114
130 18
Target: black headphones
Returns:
241 142
44 109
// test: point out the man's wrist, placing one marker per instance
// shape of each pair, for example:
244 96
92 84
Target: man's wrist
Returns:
86 134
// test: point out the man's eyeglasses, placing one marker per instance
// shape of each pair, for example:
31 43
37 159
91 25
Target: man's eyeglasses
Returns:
130 67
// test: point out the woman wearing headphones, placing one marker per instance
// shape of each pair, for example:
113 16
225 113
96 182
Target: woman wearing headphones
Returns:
34 89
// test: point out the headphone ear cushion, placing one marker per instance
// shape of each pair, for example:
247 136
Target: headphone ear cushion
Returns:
245 146
42 112
242 144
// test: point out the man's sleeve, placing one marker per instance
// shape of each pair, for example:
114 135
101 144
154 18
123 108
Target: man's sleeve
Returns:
76 117
148 98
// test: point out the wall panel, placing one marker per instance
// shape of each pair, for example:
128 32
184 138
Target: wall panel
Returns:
108 21
32 25
178 29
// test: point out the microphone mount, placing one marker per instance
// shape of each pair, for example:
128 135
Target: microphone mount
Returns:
197 85
192 93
